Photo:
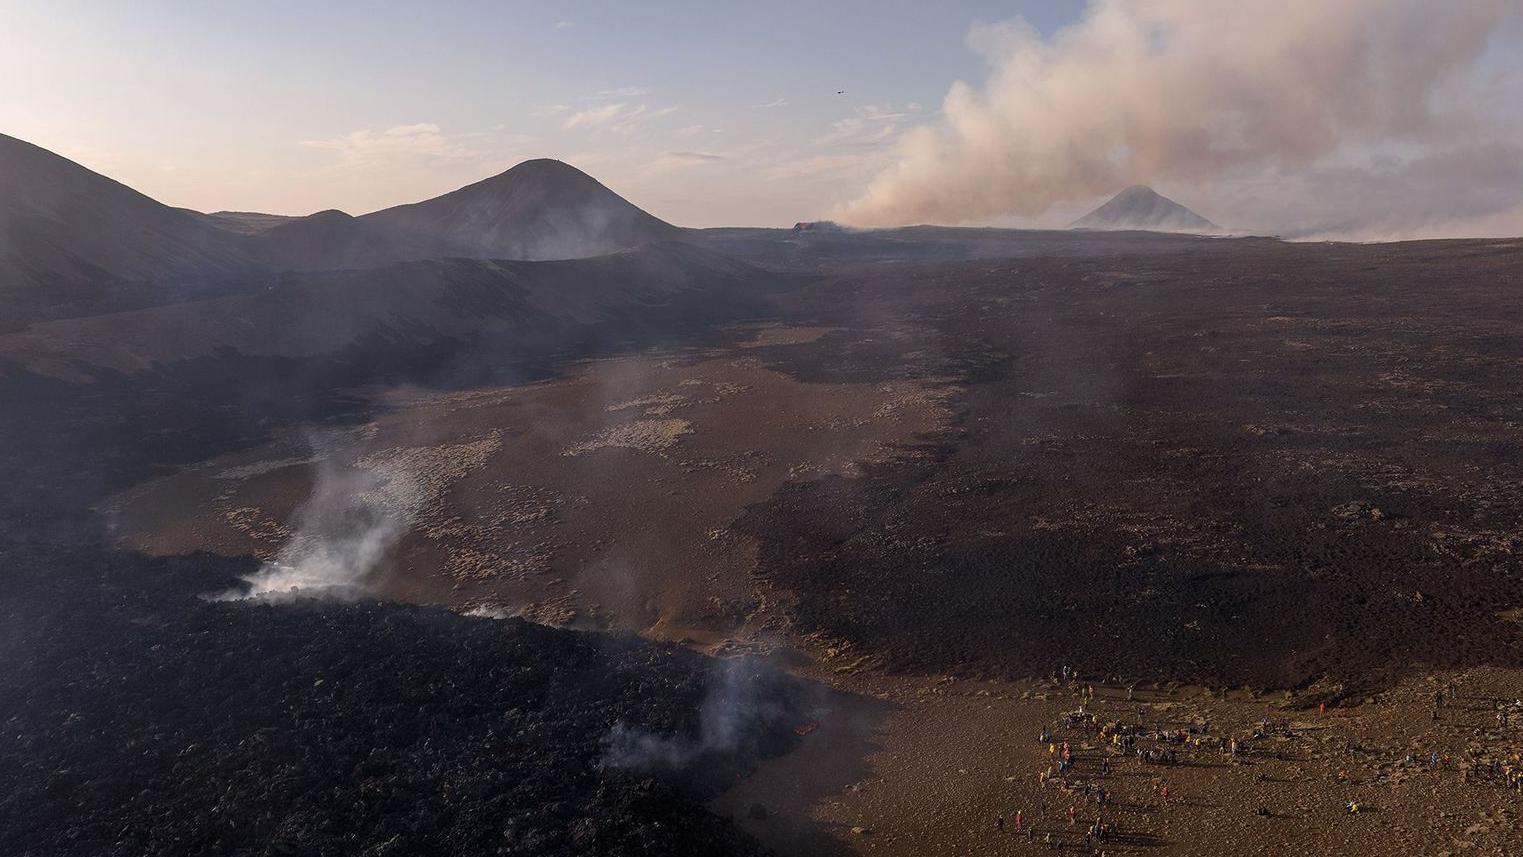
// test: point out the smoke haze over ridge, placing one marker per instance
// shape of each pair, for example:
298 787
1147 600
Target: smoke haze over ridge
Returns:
1381 116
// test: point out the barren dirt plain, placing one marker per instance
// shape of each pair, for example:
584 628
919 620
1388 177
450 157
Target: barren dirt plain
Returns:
1252 494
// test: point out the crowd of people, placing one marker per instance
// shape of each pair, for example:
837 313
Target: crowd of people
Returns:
1088 742
1081 750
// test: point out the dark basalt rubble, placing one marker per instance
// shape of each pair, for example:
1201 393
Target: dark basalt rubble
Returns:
1251 465
137 719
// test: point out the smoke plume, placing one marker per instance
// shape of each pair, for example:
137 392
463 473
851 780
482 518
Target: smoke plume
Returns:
356 512
740 702
341 534
1191 93
359 508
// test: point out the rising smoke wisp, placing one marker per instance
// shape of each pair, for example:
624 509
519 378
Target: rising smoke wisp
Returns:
341 534
739 702
359 508
1193 93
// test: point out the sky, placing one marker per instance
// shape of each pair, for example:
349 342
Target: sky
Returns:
1372 117
703 113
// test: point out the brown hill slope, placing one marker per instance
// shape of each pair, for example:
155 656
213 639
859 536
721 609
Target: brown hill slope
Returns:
540 209
73 241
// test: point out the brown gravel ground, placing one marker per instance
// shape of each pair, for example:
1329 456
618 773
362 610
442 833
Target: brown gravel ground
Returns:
945 758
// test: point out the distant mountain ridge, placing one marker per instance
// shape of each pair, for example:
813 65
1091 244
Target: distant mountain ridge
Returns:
245 222
538 210
1141 207
73 237
332 240
74 242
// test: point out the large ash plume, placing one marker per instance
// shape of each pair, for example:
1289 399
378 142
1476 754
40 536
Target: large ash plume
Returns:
1279 114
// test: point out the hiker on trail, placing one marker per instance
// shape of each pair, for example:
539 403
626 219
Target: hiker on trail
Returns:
999 822
1020 820
1071 815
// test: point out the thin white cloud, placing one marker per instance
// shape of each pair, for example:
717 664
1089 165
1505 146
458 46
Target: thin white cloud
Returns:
870 125
837 165
773 104
619 117
671 161
416 155
622 92
695 157
594 117
421 139
564 25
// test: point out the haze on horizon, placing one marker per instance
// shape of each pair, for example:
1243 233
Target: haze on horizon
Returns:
1363 119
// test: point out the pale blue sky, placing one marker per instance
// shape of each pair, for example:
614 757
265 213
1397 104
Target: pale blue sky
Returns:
705 113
